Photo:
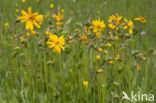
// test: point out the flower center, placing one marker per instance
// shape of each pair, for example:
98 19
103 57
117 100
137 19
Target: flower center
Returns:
32 18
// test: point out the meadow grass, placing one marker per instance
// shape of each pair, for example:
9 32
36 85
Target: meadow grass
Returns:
30 72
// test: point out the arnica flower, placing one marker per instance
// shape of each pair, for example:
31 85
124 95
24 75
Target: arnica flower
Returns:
70 37
84 38
21 38
51 5
59 24
138 67
116 38
6 24
114 21
31 19
140 19
98 25
105 51
143 58
37 0
98 57
109 44
110 62
59 17
98 34
99 71
57 43
33 32
27 34
23 1
85 83
99 49
17 10
117 57
116 96
86 28
128 24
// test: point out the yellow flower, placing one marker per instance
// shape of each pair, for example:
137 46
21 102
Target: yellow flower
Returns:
59 24
114 21
138 67
141 19
98 35
98 25
23 1
70 37
117 57
97 57
116 96
84 38
69 42
143 58
51 5
106 52
33 32
110 62
59 17
86 29
99 49
6 24
116 38
27 34
37 0
99 71
111 35
56 42
21 38
109 44
31 19
85 83
17 10
62 10
128 24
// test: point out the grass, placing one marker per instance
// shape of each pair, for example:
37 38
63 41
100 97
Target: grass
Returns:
30 72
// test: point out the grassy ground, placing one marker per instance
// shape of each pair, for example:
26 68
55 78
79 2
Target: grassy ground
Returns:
30 72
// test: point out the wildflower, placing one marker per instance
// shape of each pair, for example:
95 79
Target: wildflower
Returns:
56 42
51 5
111 35
110 62
69 42
99 71
27 34
99 49
109 44
33 32
97 57
23 1
106 52
98 35
128 24
17 10
59 17
31 19
85 83
59 24
116 96
6 24
86 28
9 45
117 57
21 38
140 19
116 38
70 37
84 38
98 25
62 10
143 58
53 16
15 36
114 21
138 67
37 0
